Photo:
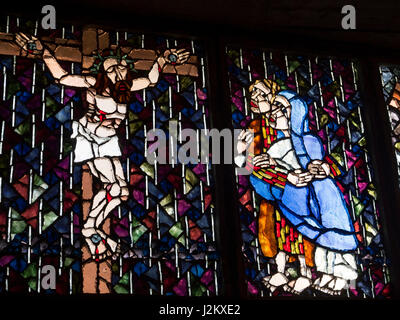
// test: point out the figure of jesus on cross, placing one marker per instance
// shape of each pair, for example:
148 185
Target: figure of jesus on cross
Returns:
108 91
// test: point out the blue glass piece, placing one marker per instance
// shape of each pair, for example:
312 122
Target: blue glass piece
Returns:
197 270
140 268
18 264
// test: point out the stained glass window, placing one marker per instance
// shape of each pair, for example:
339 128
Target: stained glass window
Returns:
391 91
308 209
77 191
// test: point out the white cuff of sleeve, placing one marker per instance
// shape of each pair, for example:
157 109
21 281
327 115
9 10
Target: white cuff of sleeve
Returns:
240 160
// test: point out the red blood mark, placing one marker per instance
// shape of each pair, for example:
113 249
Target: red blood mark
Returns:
97 252
102 115
109 197
159 69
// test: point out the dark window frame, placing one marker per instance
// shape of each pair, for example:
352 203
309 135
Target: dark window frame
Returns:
215 38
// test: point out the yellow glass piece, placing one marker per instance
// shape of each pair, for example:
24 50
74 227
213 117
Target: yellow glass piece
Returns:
167 200
280 245
148 169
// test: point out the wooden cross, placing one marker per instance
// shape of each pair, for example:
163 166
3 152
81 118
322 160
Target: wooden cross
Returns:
96 275
94 39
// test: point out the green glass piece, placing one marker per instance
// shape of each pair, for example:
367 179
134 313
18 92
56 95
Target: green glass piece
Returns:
163 99
32 283
293 65
38 182
135 222
17 226
48 219
51 106
37 192
24 128
120 289
337 154
358 206
176 230
185 82
30 271
135 126
4 163
15 215
13 86
68 261
182 240
125 279
198 289
132 116
292 272
67 147
115 268
138 232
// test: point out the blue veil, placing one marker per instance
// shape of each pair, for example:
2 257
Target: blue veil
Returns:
318 211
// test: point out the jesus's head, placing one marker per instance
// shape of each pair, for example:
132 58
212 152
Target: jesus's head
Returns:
114 77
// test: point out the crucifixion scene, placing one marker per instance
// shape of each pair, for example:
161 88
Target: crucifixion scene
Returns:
112 181
120 224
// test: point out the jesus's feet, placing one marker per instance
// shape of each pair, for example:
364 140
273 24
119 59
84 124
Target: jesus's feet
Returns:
100 245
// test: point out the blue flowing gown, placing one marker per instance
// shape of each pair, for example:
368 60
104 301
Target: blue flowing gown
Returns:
318 211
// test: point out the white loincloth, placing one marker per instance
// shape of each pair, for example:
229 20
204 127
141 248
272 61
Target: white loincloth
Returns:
90 146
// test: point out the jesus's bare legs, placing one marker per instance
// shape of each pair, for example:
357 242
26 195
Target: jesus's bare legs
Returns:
109 171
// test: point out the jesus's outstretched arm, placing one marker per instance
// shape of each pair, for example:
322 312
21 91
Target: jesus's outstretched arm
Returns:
171 56
34 46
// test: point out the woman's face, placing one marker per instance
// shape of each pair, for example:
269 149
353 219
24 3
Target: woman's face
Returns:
278 118
260 97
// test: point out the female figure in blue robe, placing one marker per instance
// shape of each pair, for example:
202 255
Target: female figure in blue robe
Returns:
310 199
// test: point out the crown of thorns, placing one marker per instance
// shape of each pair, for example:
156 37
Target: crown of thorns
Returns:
100 57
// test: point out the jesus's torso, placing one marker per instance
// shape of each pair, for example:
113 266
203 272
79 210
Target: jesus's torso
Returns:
104 114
